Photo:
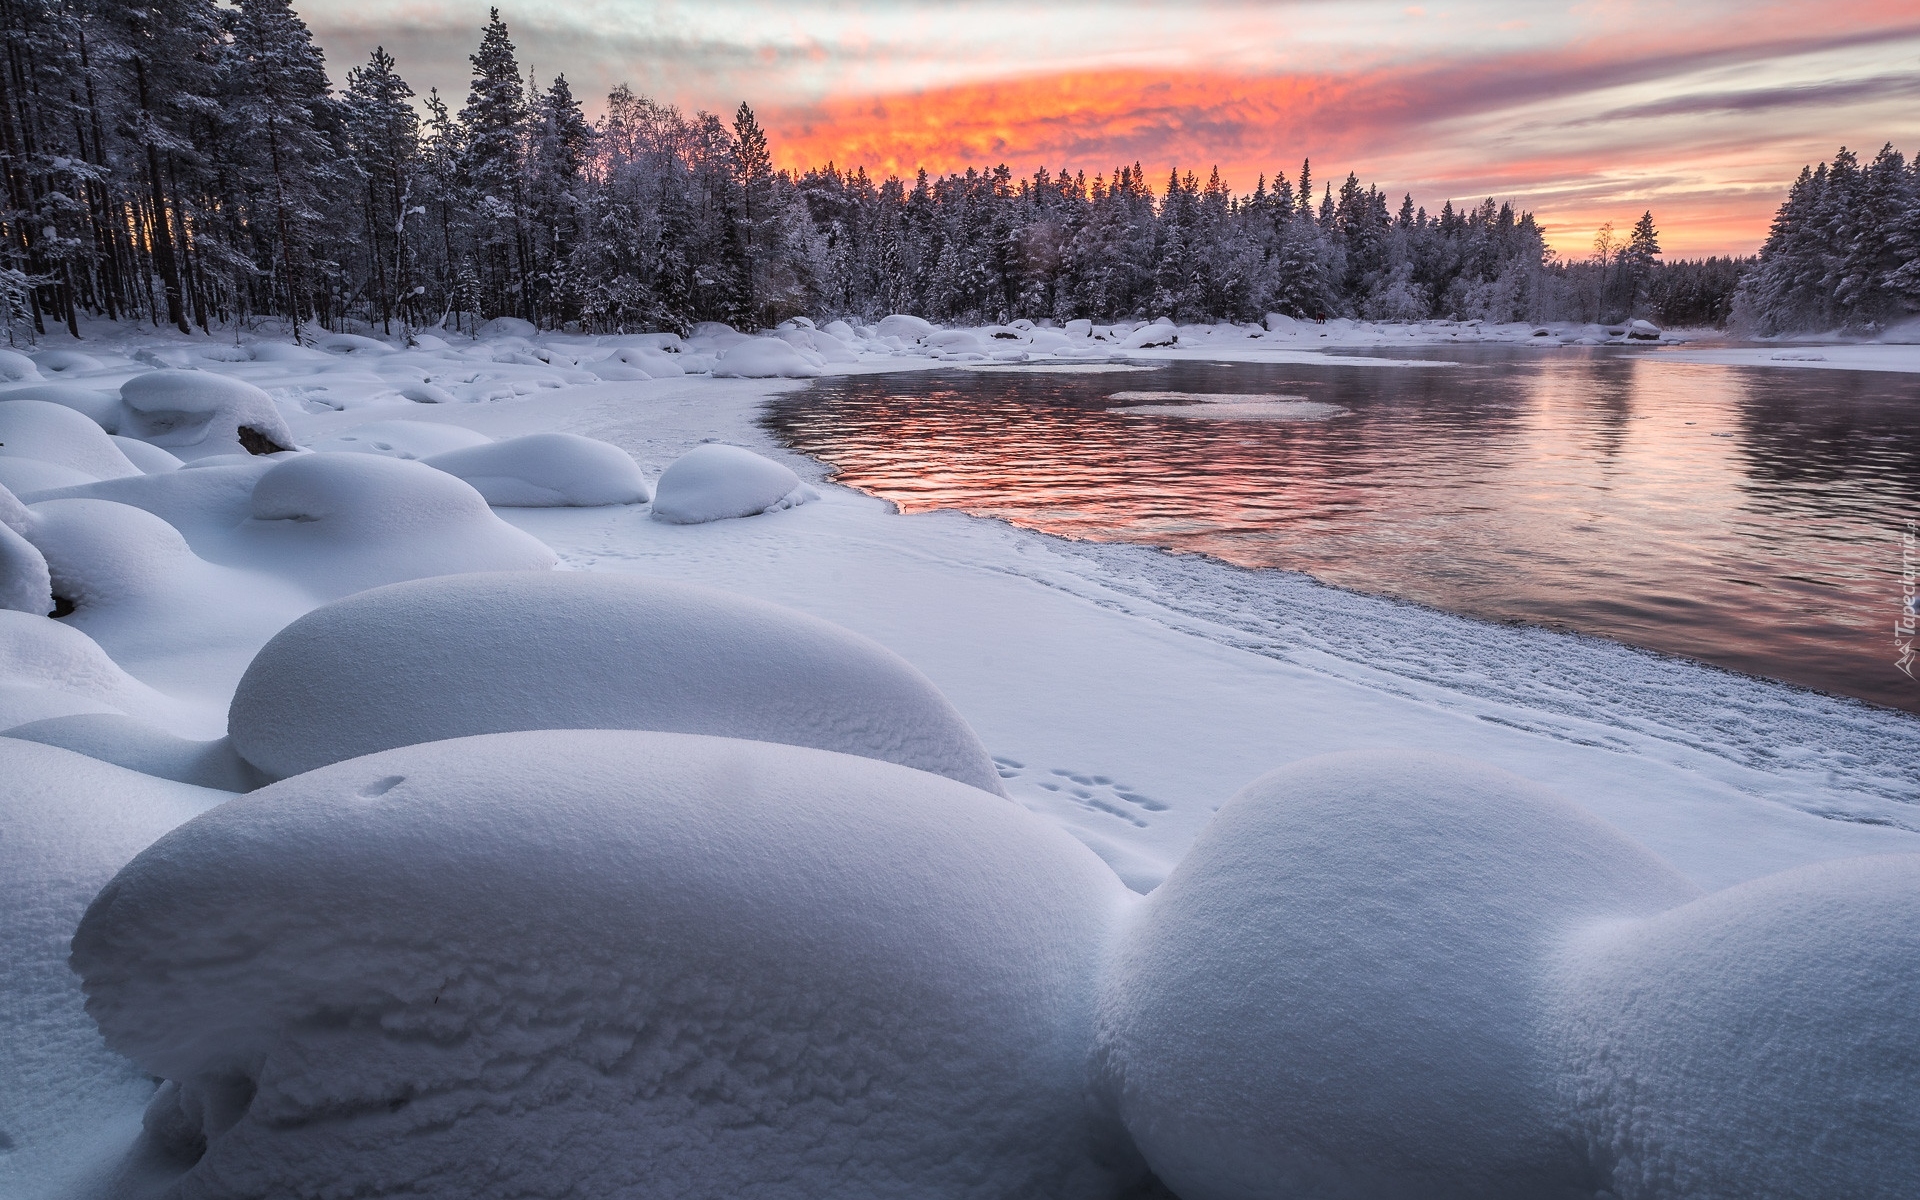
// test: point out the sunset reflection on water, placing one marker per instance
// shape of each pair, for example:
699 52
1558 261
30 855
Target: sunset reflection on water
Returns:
1745 517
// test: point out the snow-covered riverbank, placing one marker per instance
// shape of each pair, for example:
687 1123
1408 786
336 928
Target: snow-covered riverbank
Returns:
1125 695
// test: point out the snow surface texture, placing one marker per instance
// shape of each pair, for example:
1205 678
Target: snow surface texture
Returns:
1757 1044
66 1102
1338 991
714 482
427 660
547 470
613 963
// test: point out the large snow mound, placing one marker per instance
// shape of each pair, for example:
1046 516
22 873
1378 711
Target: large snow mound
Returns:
341 523
547 470
462 655
1762 1042
70 822
1337 991
765 358
55 433
195 414
604 963
714 482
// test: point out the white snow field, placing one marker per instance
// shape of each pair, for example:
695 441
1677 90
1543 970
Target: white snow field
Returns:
640 830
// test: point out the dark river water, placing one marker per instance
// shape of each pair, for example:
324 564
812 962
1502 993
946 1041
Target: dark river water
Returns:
1746 517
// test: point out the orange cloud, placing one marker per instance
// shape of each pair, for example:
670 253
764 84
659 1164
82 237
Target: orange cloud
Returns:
1570 134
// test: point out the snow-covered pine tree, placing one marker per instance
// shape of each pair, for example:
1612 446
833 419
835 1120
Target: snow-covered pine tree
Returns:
493 142
383 139
279 103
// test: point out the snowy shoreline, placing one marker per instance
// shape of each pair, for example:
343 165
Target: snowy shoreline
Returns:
1125 694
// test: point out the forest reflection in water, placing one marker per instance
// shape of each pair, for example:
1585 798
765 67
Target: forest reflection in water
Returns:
1746 517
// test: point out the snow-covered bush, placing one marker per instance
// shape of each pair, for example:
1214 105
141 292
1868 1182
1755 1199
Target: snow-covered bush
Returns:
715 482
1339 990
547 470
425 661
605 963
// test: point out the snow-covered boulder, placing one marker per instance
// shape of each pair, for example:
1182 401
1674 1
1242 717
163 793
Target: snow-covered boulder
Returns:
1079 328
284 352
427 393
507 327
470 654
1338 991
608 963
764 358
401 439
67 1103
133 585
353 343
842 331
17 367
1644 331
151 459
1761 1042
25 583
49 669
66 362
206 504
1281 323
57 434
547 470
126 742
1155 334
195 414
908 329
340 523
635 363
715 482
102 408
828 348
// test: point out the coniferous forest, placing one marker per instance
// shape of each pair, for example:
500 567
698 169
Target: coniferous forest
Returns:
190 164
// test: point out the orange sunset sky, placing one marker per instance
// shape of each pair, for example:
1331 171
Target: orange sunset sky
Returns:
1583 113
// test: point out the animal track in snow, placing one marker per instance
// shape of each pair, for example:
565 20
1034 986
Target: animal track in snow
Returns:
1100 793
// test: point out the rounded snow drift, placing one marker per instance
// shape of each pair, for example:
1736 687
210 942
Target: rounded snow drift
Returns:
468 654
610 963
715 482
1337 991
344 522
1762 1042
764 358
195 414
61 435
547 470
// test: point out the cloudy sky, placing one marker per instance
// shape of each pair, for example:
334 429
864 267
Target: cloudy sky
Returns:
1702 111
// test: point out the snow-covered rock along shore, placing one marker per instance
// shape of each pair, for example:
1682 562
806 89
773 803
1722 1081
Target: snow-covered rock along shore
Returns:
488 768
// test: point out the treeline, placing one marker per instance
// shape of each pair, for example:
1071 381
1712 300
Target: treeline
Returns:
1843 252
187 162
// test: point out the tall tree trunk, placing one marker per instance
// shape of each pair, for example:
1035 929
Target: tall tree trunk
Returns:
157 227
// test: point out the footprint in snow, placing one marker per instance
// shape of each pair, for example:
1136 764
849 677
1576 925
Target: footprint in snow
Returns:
1101 793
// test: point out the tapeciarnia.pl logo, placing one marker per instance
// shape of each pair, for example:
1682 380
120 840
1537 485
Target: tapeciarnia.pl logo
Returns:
1903 629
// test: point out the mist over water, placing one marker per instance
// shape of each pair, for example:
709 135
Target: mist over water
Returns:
1749 518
